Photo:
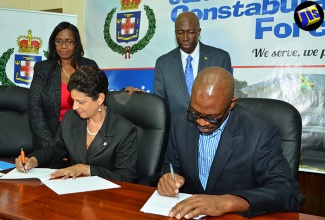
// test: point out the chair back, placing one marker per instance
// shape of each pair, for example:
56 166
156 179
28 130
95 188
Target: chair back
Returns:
150 114
287 118
15 130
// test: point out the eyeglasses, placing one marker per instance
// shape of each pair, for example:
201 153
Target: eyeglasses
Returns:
212 120
68 43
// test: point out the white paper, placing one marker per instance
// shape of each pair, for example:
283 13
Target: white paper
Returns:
38 173
80 184
161 205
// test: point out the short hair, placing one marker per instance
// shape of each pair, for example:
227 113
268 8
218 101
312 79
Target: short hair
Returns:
89 80
79 51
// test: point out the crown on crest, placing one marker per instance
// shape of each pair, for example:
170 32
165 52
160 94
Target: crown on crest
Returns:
129 4
28 43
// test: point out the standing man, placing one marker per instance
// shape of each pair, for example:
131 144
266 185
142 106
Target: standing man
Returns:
231 160
171 81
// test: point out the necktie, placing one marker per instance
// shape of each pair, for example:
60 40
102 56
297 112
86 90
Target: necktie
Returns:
189 78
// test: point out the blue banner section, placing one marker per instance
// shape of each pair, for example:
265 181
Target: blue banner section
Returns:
139 78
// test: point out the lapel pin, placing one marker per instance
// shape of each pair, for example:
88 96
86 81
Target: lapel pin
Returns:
205 58
105 143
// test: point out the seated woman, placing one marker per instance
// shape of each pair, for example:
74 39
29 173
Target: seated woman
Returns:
97 141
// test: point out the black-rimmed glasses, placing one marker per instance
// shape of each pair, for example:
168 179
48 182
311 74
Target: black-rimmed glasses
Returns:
211 120
68 43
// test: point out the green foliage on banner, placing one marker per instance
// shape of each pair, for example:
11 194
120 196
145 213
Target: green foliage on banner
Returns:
3 62
46 54
141 43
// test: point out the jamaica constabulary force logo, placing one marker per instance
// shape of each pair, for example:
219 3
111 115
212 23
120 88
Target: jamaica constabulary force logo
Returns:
128 28
24 63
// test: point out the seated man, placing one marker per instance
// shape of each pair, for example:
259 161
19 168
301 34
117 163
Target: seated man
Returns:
231 160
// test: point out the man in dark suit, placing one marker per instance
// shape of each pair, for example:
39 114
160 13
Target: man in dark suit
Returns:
169 75
225 155
169 79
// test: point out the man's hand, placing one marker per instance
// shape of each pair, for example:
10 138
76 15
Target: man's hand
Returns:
73 171
213 205
167 186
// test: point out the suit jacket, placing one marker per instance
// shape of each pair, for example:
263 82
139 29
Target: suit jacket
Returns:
44 100
248 162
169 79
112 154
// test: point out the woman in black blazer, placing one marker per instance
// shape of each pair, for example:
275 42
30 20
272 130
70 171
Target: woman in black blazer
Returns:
95 139
48 97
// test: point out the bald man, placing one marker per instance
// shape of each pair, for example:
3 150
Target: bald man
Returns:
231 160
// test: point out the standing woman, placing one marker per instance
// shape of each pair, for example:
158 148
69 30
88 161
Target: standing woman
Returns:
49 97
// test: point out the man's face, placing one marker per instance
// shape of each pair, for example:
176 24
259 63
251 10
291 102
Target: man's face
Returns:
187 34
207 111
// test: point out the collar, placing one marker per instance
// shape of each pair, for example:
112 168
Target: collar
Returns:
195 55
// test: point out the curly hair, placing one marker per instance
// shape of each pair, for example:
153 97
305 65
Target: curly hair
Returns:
79 51
89 80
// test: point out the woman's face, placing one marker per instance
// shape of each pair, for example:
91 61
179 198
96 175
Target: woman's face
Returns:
65 44
84 105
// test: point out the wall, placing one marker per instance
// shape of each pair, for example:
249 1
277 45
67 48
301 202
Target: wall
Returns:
75 7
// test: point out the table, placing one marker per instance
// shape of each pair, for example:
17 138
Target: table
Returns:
30 199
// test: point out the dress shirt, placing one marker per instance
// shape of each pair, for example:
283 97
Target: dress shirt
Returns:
195 62
208 145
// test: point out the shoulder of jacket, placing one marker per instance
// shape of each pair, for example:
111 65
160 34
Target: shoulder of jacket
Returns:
44 68
71 116
207 48
87 61
168 55
44 63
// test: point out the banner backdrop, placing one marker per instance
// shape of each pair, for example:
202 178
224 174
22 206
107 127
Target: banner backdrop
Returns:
24 41
271 56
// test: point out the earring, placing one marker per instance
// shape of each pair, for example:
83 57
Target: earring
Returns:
99 108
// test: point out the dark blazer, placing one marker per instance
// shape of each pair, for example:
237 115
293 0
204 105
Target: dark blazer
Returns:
169 80
44 100
112 154
248 162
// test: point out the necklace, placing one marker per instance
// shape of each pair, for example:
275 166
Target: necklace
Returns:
68 77
92 134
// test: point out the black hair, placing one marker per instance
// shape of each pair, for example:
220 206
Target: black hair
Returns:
79 51
89 80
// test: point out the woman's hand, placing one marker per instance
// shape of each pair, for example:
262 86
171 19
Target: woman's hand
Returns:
73 171
132 89
30 163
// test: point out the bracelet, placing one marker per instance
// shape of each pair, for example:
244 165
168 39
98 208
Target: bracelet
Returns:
89 174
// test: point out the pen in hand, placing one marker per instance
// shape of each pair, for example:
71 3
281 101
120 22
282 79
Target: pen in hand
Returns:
173 175
23 159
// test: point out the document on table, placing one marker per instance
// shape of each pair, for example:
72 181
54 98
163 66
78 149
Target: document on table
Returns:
80 184
161 205
38 173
